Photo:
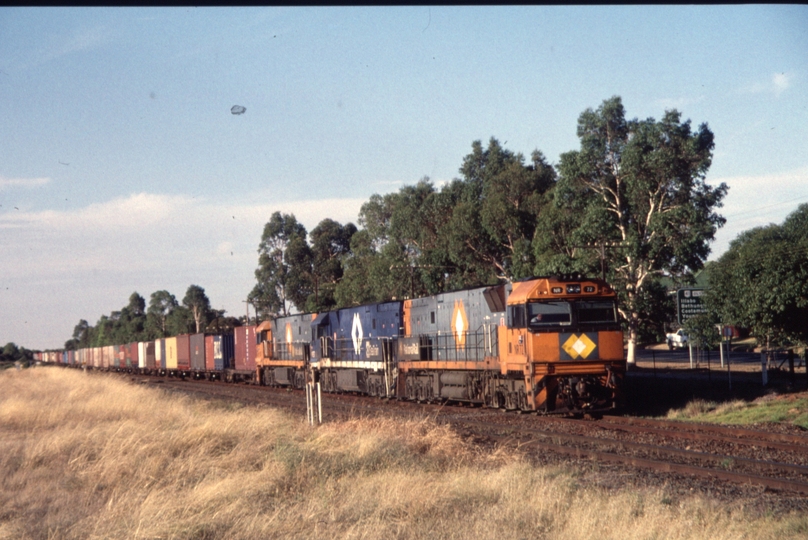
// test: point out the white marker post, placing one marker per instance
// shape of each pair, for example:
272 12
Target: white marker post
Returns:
320 403
314 404
308 405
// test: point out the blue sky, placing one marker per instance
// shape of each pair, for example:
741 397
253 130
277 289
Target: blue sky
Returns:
122 168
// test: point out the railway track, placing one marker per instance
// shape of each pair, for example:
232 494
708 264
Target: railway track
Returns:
774 461
658 457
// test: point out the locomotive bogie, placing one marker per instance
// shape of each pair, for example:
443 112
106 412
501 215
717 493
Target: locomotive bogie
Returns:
283 376
437 385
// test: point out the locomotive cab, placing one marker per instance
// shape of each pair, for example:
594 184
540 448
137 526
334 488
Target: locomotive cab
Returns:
263 335
564 337
283 353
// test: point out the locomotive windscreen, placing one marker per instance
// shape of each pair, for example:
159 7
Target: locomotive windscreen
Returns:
596 312
549 314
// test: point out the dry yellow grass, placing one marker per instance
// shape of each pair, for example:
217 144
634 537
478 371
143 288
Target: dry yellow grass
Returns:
90 456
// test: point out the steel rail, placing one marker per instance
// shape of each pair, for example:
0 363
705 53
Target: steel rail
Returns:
651 448
738 478
706 435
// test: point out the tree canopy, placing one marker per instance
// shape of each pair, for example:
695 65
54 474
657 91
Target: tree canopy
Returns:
639 186
197 302
761 282
495 208
164 317
273 291
12 353
632 203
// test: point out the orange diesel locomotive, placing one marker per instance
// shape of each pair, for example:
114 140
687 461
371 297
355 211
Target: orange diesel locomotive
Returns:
543 344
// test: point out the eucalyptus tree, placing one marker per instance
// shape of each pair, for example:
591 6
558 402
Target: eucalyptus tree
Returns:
495 208
403 230
298 259
131 323
221 323
362 271
270 296
161 305
330 246
641 187
197 302
82 336
180 321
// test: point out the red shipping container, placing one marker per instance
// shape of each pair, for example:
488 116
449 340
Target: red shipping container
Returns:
209 353
245 348
184 352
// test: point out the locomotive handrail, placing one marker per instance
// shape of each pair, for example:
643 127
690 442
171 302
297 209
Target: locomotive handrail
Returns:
294 350
476 345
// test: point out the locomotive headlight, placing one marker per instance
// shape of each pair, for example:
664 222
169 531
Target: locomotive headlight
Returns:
574 288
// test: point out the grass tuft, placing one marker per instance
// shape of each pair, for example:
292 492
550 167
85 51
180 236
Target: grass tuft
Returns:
791 409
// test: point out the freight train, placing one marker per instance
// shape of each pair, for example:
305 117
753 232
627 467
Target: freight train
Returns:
550 344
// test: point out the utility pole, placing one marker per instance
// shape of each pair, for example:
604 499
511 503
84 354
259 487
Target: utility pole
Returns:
247 305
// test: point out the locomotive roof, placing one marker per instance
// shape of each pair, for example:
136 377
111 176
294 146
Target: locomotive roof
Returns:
542 289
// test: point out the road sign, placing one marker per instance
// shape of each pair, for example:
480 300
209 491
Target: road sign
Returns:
689 303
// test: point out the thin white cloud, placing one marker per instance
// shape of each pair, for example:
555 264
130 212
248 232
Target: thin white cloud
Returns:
158 234
754 201
81 40
59 45
88 261
781 82
6 183
144 214
777 84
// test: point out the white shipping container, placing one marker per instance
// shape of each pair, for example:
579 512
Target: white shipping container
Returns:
141 354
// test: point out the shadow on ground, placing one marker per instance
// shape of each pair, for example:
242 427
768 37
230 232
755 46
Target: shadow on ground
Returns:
649 394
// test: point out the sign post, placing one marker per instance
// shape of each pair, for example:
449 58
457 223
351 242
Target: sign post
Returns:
726 336
688 305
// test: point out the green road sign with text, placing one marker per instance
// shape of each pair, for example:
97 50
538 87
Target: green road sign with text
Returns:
689 303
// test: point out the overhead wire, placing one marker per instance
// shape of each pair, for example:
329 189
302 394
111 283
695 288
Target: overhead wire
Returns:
760 208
